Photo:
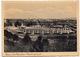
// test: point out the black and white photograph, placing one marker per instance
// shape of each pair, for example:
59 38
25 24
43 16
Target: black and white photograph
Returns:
40 35
40 26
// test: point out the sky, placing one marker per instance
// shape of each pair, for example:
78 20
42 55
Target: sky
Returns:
55 9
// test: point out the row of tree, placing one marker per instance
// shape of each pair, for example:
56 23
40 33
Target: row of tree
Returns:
37 46
42 44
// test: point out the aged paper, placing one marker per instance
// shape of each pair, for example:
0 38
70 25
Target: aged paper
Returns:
40 28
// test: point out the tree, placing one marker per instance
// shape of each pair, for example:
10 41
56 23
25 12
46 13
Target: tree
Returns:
9 23
15 37
17 23
26 39
8 34
5 33
29 23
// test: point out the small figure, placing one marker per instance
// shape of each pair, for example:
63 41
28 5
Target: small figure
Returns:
45 45
37 46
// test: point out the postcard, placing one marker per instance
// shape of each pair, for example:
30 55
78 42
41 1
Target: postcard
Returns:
40 28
